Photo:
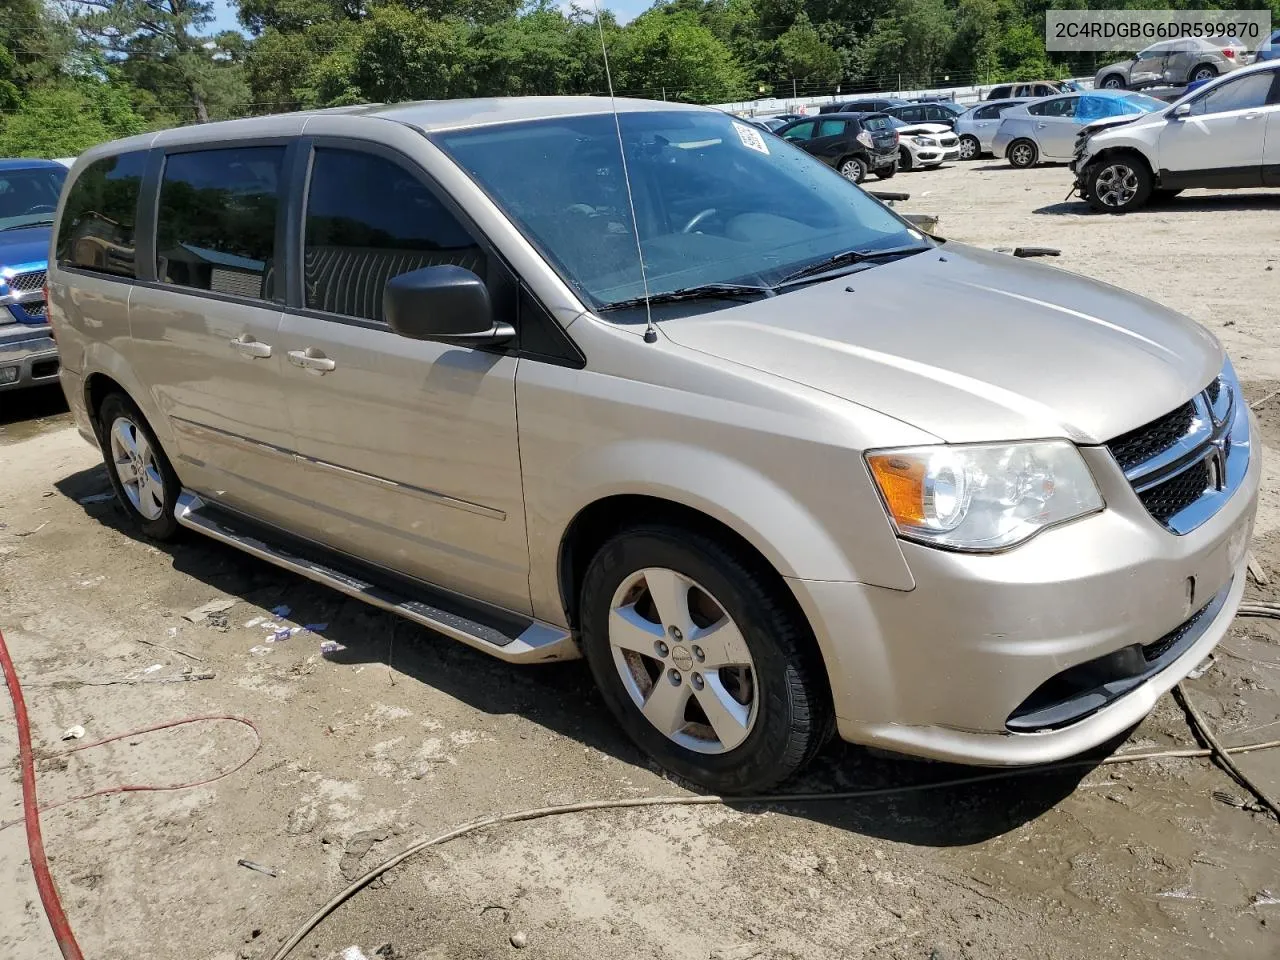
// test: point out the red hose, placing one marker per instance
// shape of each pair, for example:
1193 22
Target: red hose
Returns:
31 809
35 842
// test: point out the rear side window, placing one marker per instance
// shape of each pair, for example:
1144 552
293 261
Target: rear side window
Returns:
368 220
100 216
217 223
830 128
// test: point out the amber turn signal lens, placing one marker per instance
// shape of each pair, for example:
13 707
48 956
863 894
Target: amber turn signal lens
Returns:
901 483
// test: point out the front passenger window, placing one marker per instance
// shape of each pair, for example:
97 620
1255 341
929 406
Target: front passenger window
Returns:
368 220
1247 93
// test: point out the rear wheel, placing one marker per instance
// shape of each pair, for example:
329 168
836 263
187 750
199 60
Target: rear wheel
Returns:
1118 184
704 664
1203 72
1112 81
852 168
143 479
1022 154
969 147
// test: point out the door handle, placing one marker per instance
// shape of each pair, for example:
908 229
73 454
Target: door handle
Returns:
250 347
312 360
1040 125
1251 116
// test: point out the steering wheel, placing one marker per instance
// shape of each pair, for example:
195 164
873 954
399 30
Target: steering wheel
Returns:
697 218
43 208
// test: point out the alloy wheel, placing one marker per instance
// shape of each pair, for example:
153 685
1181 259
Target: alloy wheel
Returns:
1021 155
852 170
968 148
136 467
1115 185
683 660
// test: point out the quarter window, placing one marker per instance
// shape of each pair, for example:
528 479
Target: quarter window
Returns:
100 216
1244 94
217 223
368 220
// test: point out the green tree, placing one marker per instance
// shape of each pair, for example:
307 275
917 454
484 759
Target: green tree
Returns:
803 55
62 119
675 56
158 46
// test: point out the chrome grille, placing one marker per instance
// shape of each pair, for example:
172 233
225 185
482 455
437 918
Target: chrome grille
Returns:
1185 465
1138 446
31 280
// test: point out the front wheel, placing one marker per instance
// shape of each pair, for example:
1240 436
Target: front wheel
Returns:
1118 184
904 158
1203 72
707 667
1112 81
1022 154
141 475
969 147
853 169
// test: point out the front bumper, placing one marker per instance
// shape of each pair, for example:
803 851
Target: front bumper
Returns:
28 357
940 671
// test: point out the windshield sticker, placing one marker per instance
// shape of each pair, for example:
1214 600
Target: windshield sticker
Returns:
751 138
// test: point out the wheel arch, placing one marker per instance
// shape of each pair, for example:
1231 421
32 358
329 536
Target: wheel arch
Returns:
1125 149
106 371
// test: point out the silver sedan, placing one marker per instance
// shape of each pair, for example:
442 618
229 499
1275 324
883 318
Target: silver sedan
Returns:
977 126
1046 129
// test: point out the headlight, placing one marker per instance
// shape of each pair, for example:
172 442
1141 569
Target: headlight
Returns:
926 141
983 496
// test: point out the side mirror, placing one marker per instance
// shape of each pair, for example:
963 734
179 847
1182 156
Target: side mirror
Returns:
445 303
1182 110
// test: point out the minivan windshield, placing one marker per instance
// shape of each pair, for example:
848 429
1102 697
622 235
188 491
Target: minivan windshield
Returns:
717 201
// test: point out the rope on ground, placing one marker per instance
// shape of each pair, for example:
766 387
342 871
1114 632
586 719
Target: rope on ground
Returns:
1220 753
539 813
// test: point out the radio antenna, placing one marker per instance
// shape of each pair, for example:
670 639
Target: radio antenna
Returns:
650 331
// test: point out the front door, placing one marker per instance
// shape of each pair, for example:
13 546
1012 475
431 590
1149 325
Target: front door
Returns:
1220 143
1148 68
1056 126
407 448
829 142
206 330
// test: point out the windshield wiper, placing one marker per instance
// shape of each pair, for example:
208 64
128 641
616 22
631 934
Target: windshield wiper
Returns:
703 291
847 257
24 226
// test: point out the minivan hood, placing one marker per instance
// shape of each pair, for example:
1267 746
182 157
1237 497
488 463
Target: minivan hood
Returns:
970 345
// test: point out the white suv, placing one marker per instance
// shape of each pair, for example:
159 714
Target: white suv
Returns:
1224 135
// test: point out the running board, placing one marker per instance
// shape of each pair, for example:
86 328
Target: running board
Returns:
514 638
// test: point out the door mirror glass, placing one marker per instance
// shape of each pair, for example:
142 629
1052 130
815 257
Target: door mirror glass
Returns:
444 303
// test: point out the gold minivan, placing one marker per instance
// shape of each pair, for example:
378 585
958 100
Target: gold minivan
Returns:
643 386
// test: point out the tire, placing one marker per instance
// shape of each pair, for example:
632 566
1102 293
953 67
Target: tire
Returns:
885 173
970 147
904 159
853 169
1112 81
779 712
1206 71
150 503
1022 154
1118 184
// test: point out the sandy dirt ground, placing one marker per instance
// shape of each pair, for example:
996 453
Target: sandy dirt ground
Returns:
401 733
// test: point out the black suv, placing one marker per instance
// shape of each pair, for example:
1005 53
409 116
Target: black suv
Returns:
855 144
865 105
937 111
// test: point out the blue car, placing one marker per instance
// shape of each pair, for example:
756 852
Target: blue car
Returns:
1270 50
28 201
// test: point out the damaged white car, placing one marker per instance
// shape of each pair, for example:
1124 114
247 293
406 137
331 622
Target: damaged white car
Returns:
924 144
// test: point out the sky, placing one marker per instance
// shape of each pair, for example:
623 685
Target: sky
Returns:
225 15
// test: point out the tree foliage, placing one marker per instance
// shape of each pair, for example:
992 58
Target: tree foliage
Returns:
90 70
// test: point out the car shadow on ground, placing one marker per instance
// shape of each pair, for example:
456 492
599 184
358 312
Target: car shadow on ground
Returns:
31 403
1226 202
562 698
